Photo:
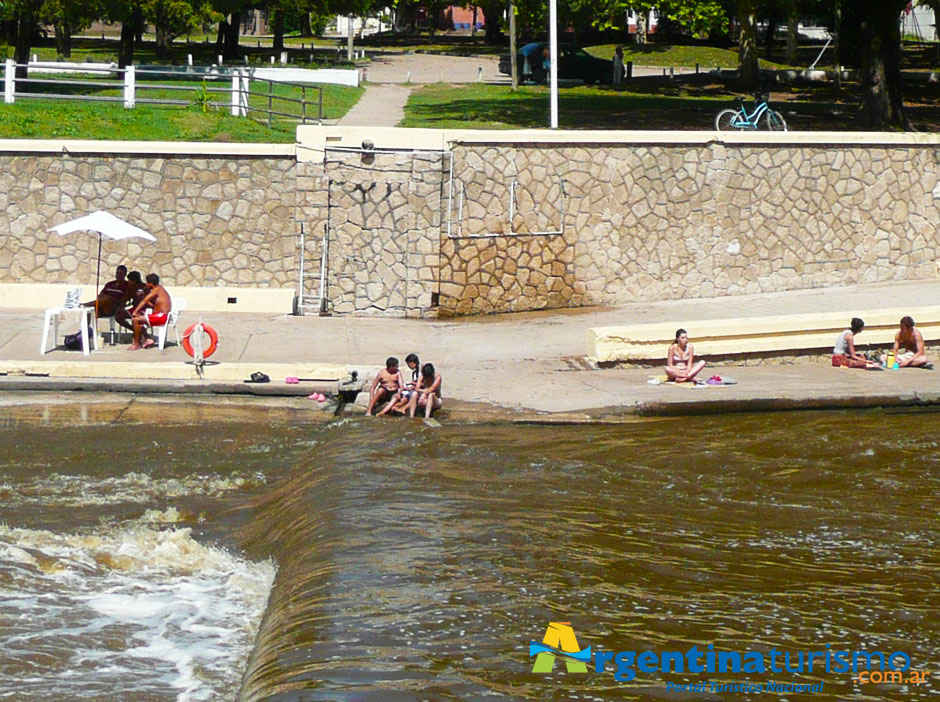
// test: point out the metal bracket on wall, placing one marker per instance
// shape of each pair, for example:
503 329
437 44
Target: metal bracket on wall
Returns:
457 232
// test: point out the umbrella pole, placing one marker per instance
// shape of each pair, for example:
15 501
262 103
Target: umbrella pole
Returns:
97 278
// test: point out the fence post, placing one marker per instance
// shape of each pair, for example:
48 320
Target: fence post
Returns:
270 102
9 89
245 91
129 86
236 93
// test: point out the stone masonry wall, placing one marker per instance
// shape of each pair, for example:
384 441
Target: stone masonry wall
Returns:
665 222
223 221
383 214
518 226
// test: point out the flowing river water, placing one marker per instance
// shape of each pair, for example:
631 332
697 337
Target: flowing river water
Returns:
217 556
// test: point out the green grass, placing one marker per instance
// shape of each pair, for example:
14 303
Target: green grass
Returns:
675 55
51 118
497 107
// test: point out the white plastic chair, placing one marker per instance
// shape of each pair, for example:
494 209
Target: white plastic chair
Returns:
177 305
54 315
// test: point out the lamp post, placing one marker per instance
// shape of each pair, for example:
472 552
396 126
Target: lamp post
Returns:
553 60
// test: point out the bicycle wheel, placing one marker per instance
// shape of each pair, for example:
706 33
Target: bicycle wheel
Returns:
725 120
774 121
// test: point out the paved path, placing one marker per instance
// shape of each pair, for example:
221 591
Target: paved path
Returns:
379 106
533 360
431 68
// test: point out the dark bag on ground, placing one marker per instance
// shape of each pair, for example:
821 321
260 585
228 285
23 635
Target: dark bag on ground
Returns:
73 342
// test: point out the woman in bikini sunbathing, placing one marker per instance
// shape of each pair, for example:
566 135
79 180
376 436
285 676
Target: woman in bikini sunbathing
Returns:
680 361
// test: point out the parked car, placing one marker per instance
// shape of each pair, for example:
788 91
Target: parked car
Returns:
573 63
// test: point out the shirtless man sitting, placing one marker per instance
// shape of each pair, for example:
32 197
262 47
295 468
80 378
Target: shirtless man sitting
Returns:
113 295
386 386
909 345
156 297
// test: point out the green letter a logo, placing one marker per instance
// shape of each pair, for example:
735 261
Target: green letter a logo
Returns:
560 636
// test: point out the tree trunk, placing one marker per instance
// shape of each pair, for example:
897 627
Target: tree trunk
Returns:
220 35
63 38
492 11
473 22
25 25
305 29
162 50
278 44
882 105
139 25
126 44
748 67
640 35
230 50
160 22
793 25
771 31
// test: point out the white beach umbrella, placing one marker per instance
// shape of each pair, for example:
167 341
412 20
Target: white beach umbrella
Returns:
107 226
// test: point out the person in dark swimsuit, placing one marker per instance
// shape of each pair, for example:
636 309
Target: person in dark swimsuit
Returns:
427 392
386 386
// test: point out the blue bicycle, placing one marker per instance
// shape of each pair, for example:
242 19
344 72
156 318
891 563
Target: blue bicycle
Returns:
761 117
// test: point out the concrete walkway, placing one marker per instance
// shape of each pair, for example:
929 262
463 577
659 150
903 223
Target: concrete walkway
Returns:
528 361
379 106
421 69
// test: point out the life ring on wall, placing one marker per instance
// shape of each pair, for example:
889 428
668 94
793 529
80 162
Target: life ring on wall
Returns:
213 340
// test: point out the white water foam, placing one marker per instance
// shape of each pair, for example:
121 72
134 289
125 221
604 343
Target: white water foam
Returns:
78 490
134 613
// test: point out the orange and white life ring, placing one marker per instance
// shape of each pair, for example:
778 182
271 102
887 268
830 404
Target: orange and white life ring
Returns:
213 340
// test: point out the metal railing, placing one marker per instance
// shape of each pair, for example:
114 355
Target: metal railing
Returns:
277 99
270 99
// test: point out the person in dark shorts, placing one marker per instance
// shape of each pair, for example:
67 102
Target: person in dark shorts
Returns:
387 386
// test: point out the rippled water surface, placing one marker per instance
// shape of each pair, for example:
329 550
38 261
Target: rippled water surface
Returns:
415 563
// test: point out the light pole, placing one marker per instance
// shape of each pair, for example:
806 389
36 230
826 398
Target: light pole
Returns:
553 60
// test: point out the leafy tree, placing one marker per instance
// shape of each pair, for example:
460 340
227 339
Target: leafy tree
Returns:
171 18
229 26
880 57
24 17
130 14
68 17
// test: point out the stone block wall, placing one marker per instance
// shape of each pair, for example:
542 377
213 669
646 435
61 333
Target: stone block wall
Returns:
654 222
483 224
219 221
383 214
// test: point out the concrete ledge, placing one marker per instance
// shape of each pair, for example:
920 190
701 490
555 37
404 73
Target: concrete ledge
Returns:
154 148
779 404
313 139
264 300
222 372
742 336
137 386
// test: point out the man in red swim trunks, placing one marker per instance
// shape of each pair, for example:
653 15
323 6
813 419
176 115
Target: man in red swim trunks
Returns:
156 297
